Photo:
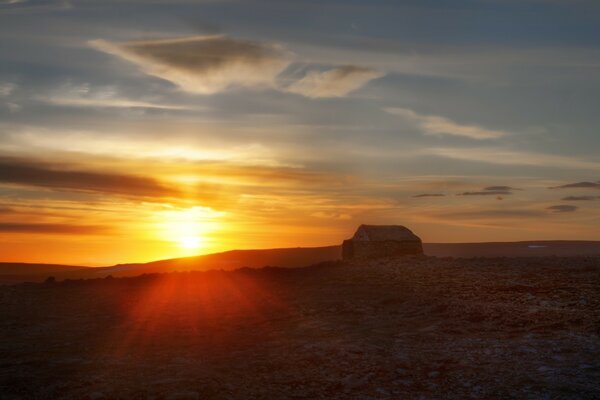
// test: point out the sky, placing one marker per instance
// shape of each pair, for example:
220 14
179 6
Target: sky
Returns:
139 130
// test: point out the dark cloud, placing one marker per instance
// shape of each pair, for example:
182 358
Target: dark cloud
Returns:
491 191
562 208
204 64
33 173
430 195
580 198
579 185
486 193
67 229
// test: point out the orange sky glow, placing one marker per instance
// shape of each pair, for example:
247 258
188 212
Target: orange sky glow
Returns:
266 125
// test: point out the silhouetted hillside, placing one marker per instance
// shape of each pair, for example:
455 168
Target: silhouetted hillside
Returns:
19 272
287 258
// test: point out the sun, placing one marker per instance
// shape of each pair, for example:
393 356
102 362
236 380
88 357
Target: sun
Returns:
190 242
190 229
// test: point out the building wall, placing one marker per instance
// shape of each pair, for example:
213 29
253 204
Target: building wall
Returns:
352 249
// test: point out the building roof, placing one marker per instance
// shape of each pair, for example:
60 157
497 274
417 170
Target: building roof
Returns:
378 233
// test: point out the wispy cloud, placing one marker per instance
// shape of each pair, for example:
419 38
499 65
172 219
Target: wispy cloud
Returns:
562 208
107 103
112 101
429 195
579 185
486 193
336 82
7 88
204 64
500 156
438 125
490 191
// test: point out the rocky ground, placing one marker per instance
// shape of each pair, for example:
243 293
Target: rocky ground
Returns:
417 328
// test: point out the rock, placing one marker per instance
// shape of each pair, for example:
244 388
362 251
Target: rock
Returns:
96 396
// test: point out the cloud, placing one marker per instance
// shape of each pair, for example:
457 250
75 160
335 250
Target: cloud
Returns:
501 188
32 173
500 156
580 198
437 125
490 191
106 103
204 64
562 208
485 193
429 195
7 88
579 185
23 6
336 82
84 94
68 229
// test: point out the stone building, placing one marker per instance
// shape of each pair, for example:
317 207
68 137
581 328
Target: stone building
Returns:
374 241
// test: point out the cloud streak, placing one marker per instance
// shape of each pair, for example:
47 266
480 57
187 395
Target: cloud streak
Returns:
65 229
106 103
429 195
336 82
579 185
486 193
490 191
436 125
32 173
204 64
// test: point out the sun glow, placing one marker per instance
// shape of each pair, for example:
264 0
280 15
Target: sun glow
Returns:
189 229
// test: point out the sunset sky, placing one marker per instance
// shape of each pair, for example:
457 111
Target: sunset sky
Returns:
138 130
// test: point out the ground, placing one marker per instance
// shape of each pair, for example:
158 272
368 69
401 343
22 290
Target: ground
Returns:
422 328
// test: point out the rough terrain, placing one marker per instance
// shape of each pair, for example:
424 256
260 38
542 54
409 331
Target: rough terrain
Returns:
425 328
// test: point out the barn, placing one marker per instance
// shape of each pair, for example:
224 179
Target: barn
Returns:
375 241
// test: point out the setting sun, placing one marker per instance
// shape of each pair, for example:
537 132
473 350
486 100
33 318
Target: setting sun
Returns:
189 229
190 242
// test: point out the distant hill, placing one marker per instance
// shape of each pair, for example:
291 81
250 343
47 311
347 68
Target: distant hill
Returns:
19 272
229 260
563 248
289 258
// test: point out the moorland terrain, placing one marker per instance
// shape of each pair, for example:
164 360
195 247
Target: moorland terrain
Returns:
405 328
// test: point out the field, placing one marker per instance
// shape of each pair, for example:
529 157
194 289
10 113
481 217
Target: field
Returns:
379 329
